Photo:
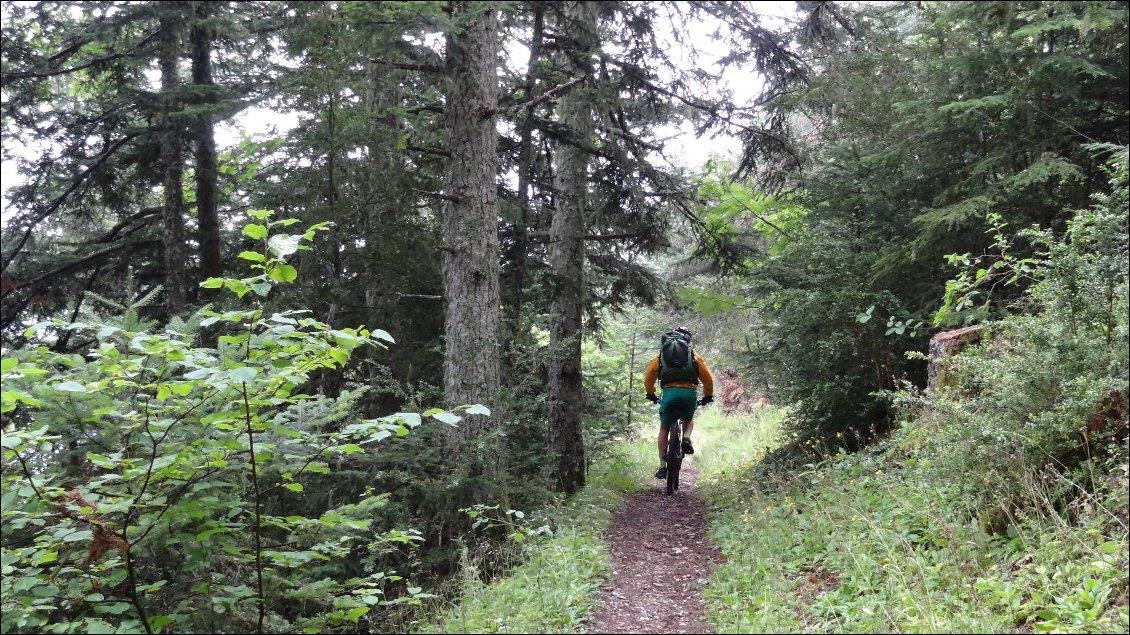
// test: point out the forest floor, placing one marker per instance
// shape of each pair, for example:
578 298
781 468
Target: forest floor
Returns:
661 560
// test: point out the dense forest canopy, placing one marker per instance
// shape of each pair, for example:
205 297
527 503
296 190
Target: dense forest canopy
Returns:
471 237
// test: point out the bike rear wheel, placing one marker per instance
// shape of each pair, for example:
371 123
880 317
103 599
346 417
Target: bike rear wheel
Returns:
672 479
674 457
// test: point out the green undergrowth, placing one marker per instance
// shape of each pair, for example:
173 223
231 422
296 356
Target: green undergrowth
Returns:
870 542
554 585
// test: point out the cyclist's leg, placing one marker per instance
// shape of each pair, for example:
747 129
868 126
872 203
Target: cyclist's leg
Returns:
667 416
664 432
689 405
677 404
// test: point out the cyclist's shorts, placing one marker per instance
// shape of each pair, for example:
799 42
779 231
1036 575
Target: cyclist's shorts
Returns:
677 403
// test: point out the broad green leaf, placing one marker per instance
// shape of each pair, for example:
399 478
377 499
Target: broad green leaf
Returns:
77 536
447 417
243 374
410 419
284 273
182 388
294 487
255 231
71 386
253 256
355 614
100 460
238 287
283 245
97 626
10 397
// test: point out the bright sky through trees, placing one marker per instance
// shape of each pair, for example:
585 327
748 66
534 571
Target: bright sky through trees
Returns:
683 147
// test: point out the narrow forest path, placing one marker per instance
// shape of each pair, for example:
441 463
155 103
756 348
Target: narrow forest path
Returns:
661 559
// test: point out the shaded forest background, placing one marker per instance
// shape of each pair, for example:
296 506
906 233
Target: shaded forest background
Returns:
203 411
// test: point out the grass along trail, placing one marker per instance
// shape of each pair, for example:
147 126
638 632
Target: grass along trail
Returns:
661 559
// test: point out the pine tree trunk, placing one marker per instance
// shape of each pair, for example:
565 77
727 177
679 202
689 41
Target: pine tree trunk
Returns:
170 137
211 263
471 367
526 175
567 255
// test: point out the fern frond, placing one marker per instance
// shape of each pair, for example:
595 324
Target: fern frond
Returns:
106 301
192 325
148 298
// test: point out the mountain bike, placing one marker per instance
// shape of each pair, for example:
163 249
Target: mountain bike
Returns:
674 454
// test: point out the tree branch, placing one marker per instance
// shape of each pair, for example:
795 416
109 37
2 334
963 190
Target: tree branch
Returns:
536 101
420 109
77 264
440 195
55 204
436 151
409 66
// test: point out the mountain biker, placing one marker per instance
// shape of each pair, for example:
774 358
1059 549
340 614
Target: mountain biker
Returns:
679 399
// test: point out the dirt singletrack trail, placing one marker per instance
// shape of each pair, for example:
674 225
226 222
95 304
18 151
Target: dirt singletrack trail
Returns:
661 559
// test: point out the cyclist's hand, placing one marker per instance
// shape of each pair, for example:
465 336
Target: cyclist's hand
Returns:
652 398
706 400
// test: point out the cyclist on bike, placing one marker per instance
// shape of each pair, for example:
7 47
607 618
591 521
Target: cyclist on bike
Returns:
680 394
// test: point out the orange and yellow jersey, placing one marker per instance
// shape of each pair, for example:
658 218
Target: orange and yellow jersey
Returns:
704 376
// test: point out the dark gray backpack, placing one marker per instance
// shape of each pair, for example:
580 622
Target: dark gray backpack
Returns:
676 359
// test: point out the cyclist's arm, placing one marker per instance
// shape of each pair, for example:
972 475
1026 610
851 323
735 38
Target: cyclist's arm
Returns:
705 377
651 375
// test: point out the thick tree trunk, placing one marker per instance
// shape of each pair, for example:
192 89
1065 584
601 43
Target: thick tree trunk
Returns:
471 367
382 94
567 256
170 136
211 263
525 179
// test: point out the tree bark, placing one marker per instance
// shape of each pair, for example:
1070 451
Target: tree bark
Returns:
567 256
471 367
525 178
211 263
170 136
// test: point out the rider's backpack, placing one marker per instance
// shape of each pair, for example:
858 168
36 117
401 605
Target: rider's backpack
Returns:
676 359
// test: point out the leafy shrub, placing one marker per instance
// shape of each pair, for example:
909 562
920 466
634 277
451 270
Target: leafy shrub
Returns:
148 485
1043 398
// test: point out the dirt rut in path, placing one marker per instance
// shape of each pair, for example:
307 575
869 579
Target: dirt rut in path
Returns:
661 559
